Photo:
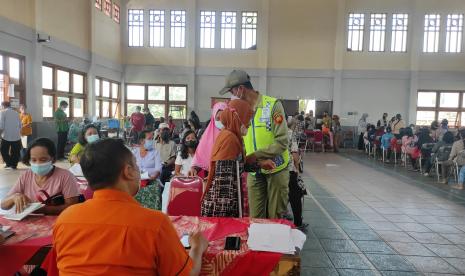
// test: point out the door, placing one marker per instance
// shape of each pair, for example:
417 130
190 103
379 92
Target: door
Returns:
323 106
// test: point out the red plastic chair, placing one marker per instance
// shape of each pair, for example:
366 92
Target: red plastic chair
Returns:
184 196
318 140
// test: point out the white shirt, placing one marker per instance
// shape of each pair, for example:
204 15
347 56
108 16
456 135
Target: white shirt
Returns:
10 124
150 163
184 163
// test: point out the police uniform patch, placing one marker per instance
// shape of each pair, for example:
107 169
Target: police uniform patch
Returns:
278 118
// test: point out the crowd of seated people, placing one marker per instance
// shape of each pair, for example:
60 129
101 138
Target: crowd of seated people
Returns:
423 147
307 129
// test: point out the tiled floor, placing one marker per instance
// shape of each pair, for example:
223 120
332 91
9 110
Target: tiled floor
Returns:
366 218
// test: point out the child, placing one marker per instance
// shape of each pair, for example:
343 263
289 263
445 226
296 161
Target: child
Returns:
386 142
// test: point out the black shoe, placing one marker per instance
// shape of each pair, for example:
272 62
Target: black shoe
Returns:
303 227
6 167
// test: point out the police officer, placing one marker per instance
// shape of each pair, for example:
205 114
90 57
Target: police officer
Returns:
266 141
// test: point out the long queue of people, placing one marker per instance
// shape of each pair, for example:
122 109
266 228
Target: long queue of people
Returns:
434 150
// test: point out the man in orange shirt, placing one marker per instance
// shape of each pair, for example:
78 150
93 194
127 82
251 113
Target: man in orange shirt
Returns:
112 234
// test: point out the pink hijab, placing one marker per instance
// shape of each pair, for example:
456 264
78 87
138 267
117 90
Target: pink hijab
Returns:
204 149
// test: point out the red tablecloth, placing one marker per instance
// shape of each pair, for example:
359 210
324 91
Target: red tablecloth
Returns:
216 261
32 233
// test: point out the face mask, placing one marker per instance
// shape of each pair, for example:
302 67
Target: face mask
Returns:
42 169
219 124
234 97
244 130
92 138
191 144
148 145
165 136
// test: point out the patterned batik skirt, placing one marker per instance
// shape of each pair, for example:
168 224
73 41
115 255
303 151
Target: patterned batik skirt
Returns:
150 195
221 200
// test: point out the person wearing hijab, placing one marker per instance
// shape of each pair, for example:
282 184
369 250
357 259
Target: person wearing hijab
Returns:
201 160
221 197
362 127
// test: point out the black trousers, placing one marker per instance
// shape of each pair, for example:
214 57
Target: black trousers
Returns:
10 152
62 139
361 144
295 198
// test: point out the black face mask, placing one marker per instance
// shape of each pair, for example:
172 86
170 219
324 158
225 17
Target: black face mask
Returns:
191 144
165 136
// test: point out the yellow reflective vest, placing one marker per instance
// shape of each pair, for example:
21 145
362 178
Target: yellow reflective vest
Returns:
260 134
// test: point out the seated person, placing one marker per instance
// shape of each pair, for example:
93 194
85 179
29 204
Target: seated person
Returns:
42 176
447 140
386 142
167 149
111 234
147 157
73 132
184 159
148 160
88 135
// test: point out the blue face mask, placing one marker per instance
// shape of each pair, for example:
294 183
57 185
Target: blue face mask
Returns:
219 124
42 169
148 145
92 138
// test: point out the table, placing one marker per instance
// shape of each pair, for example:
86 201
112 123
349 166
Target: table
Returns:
216 261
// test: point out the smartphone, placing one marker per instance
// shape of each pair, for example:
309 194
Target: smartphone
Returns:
185 241
232 243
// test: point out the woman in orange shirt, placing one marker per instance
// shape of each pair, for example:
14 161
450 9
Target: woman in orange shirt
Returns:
26 126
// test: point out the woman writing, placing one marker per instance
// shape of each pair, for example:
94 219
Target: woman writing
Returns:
42 181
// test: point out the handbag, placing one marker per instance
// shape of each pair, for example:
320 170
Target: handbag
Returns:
48 200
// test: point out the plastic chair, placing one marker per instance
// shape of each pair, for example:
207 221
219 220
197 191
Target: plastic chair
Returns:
443 151
348 137
185 195
318 140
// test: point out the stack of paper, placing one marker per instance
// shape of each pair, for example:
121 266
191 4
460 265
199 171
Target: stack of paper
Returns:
278 238
11 214
76 170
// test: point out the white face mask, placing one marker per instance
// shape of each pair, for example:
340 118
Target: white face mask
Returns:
234 97
244 130
219 124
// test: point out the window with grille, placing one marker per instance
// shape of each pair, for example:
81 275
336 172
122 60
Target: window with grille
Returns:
63 84
377 32
432 25
454 33
107 95
207 29
162 100
399 32
107 7
356 28
116 15
136 28
98 4
439 105
249 30
228 30
178 29
157 28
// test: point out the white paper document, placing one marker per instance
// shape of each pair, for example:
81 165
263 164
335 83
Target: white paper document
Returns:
76 170
144 176
278 238
11 214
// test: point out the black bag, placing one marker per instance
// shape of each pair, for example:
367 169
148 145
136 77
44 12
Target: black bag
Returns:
55 200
